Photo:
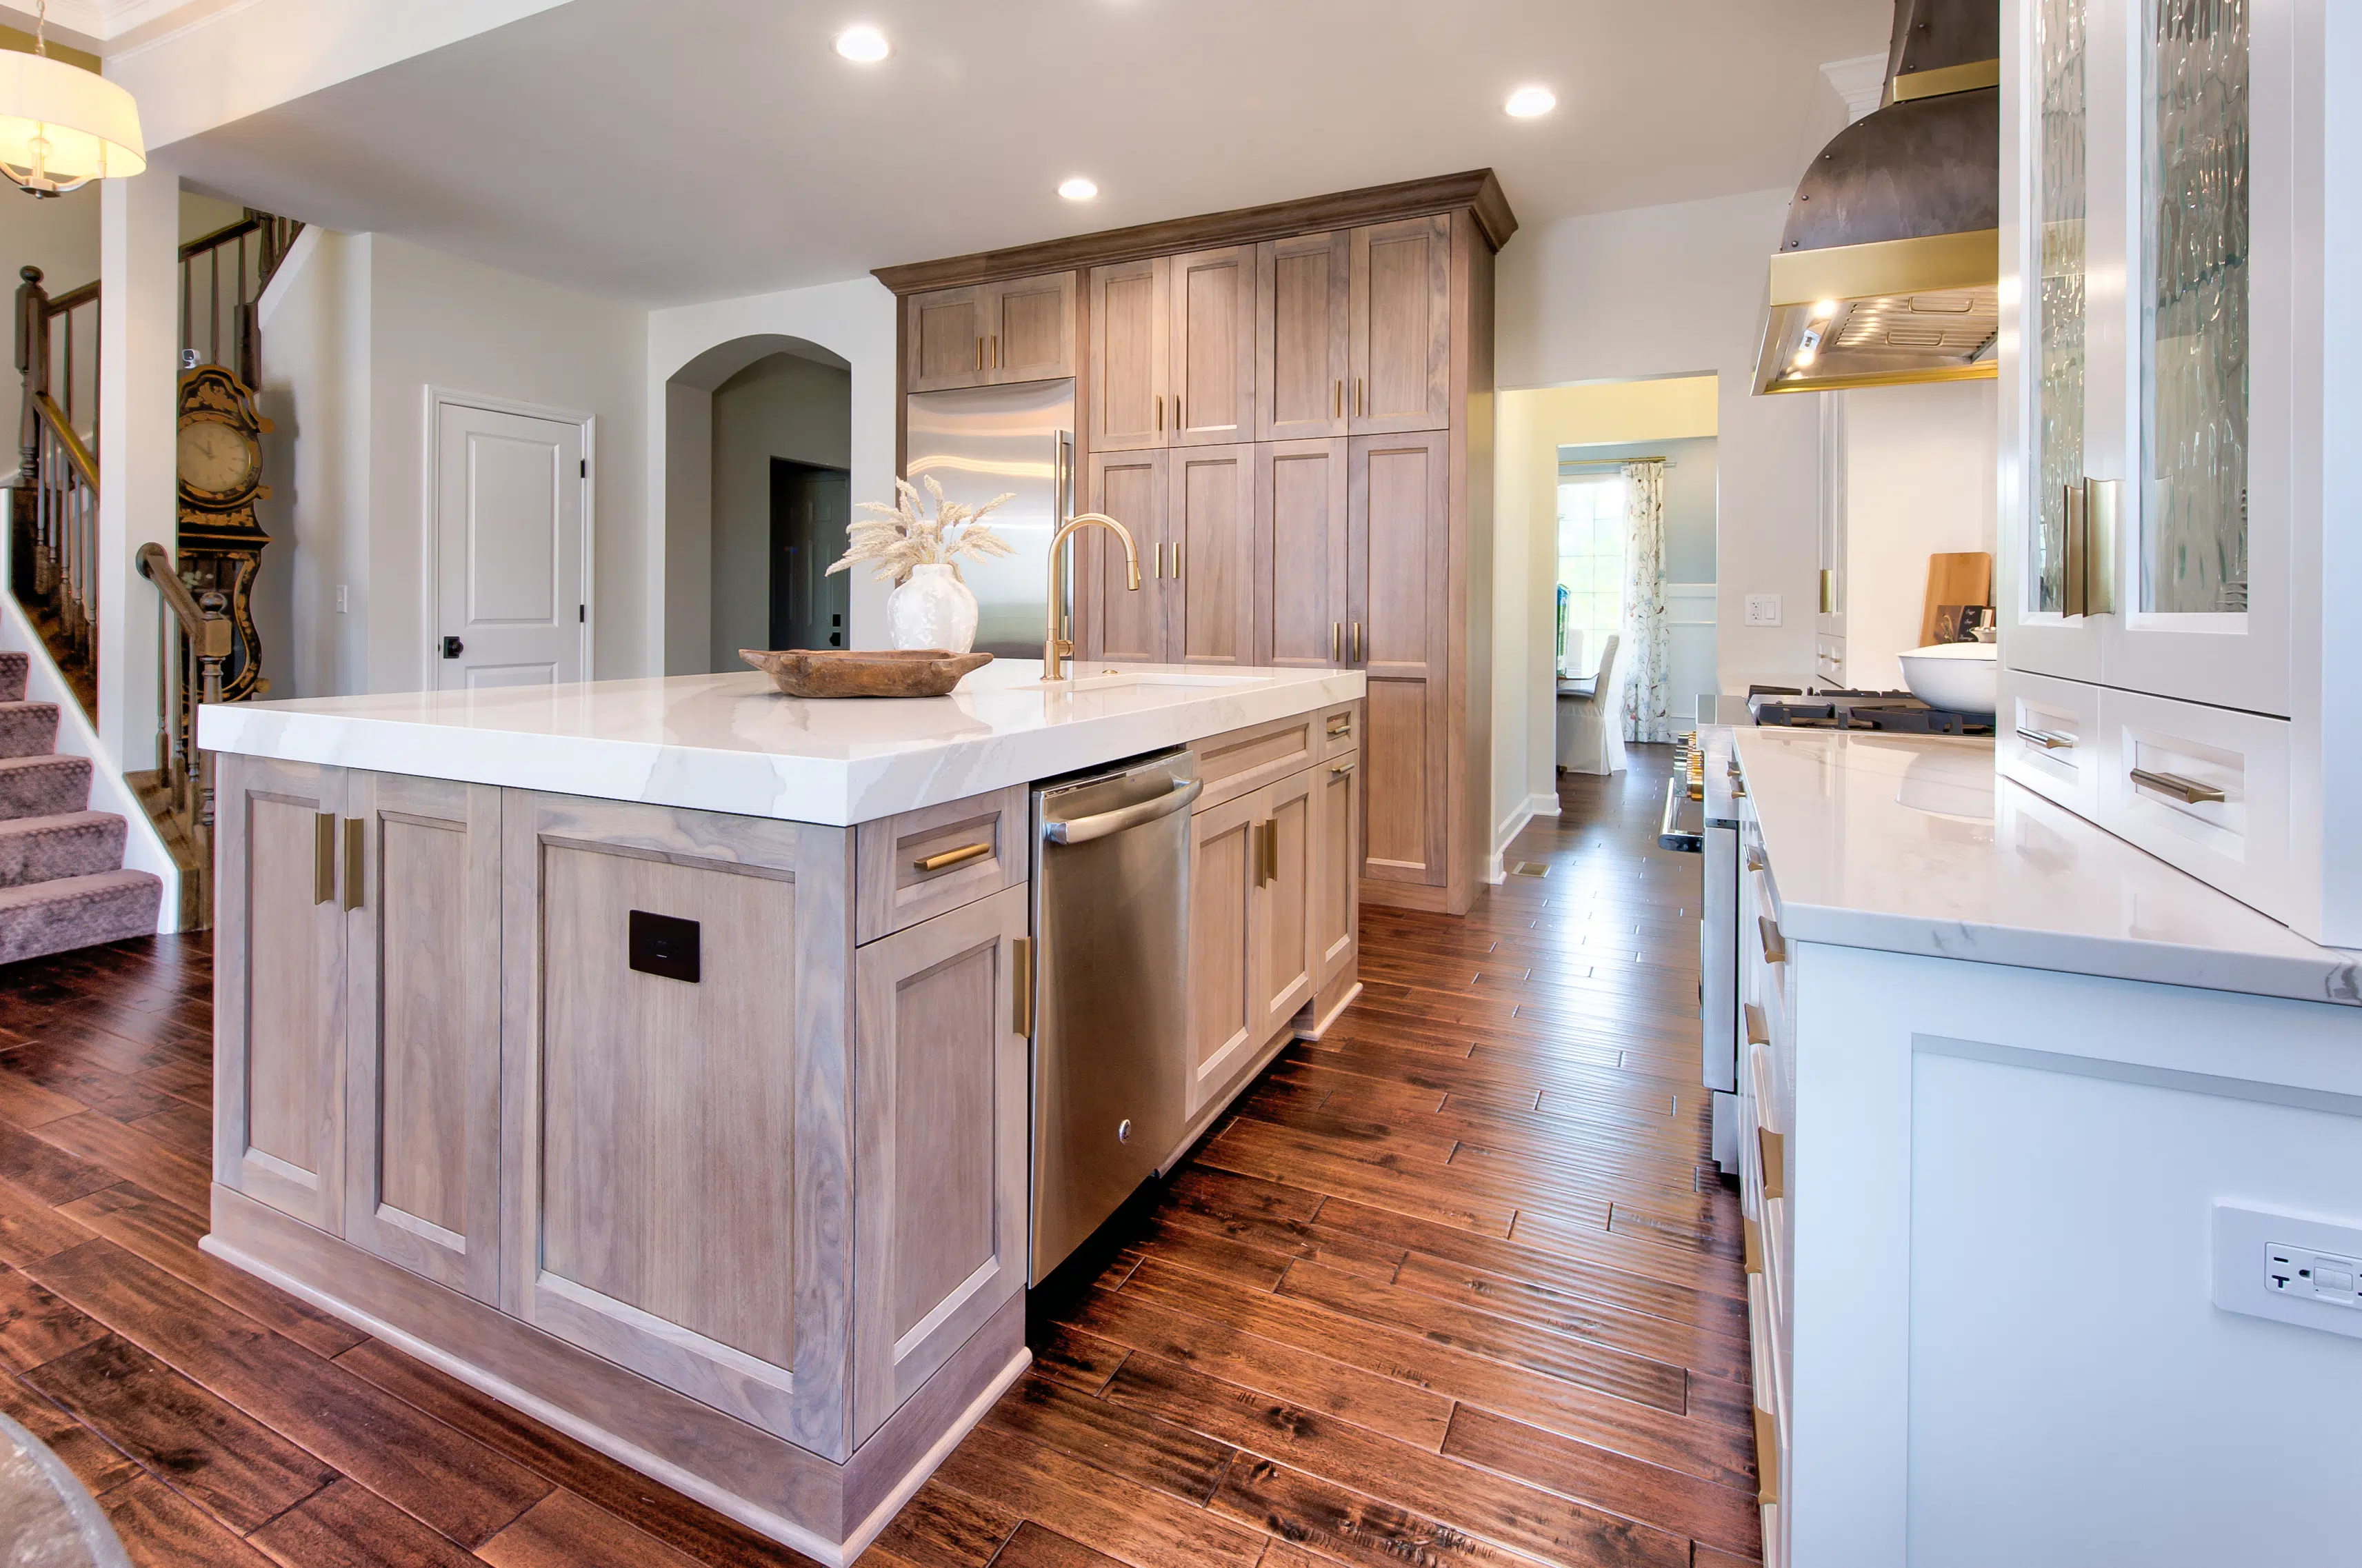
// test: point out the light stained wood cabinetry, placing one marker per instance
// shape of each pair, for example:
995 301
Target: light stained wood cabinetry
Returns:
1131 486
1285 960
1209 595
941 1089
1398 547
923 863
1301 607
422 1109
1301 309
1225 856
1400 332
279 1002
1131 311
1213 346
1018 330
1337 870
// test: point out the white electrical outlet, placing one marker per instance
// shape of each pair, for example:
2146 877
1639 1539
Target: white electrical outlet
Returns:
342 602
1762 609
2306 1272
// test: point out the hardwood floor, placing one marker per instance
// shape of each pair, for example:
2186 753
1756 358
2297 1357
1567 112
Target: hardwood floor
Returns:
1456 1286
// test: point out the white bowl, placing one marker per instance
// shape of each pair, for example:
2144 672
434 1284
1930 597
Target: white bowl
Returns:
1961 677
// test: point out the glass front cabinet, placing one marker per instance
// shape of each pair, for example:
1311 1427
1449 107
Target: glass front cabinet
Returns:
2175 187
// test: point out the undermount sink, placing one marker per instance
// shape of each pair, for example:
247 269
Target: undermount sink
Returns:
1112 679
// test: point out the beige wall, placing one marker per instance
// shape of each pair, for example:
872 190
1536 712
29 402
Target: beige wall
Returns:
779 406
1921 466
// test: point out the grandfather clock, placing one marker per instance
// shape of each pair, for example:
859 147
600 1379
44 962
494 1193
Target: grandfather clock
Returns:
220 463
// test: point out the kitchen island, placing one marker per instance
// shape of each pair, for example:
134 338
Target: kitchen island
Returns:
654 1054
2024 1109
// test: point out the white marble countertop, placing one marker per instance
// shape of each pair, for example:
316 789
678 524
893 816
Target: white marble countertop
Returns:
731 743
1913 844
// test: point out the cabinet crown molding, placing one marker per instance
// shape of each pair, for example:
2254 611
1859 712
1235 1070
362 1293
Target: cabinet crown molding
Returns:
1478 191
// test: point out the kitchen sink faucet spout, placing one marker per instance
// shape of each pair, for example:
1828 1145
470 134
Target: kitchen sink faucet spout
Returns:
1055 648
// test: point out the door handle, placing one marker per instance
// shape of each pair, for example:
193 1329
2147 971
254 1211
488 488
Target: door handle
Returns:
324 856
453 647
1082 830
356 862
2091 514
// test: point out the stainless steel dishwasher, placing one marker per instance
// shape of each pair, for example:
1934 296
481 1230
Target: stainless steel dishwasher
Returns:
1111 929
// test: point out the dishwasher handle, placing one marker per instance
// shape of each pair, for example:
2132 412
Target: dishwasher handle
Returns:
1082 830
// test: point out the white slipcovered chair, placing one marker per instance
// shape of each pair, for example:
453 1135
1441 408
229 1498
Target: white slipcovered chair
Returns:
1591 719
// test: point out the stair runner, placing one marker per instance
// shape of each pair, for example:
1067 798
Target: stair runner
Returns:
63 882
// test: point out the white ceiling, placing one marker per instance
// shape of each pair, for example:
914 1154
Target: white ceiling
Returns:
703 148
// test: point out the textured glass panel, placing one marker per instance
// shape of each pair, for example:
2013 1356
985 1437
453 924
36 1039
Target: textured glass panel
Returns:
2194 338
2061 204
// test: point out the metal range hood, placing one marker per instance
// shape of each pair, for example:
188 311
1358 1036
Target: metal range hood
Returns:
1889 271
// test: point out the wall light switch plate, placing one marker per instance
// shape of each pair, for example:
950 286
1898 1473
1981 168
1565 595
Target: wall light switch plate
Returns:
343 604
2306 1272
1762 609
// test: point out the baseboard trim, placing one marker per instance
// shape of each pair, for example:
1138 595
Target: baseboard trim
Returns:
1319 1027
916 1476
1526 811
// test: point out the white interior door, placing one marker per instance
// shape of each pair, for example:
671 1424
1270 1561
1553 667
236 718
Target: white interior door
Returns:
510 606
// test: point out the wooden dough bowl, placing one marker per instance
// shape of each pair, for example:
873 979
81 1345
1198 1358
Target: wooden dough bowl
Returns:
845 673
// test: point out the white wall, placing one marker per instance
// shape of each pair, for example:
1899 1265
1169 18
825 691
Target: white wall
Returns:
853 320
782 405
356 329
59 235
1920 475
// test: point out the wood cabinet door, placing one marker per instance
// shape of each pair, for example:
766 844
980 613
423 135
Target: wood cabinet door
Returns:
1283 898
943 335
1400 548
1400 333
1301 607
1130 319
1336 866
676 1114
1210 597
1301 337
279 987
423 1089
1213 346
941 1124
1223 1010
1029 329
1125 622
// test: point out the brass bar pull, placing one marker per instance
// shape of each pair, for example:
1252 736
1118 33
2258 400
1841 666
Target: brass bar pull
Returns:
1775 946
995 351
355 861
2077 548
1767 1456
1178 421
1758 1028
980 353
931 864
1271 850
1828 591
1359 402
1771 1149
2100 516
2189 791
1755 861
1343 727
1020 967
1342 769
1160 560
1357 642
1160 413
324 856
2049 740
1336 642
1340 401
1752 1248
1176 547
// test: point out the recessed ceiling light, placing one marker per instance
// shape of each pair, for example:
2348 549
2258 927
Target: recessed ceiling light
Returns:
1826 309
1078 189
864 44
1527 102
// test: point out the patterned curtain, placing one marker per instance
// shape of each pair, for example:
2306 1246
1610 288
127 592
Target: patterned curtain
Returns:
1646 718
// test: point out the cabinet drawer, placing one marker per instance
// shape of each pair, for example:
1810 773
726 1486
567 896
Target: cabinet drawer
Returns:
1340 731
1245 760
2048 738
916 866
2202 788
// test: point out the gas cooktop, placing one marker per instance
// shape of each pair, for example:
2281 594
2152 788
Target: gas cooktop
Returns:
1896 713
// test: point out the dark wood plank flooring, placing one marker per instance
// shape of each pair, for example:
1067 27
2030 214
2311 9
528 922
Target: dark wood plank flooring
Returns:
1456 1286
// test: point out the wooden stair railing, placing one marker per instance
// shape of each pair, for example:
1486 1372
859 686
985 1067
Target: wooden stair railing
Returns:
193 645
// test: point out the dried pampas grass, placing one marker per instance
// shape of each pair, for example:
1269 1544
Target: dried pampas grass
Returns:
899 536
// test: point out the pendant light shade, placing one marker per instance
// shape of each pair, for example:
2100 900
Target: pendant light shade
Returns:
61 126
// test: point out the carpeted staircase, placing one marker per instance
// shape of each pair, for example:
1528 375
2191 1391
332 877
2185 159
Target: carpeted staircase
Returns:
62 884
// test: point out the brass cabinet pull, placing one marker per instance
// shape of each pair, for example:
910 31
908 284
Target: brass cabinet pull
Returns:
980 353
1020 968
1177 554
995 351
355 861
1751 1247
1178 421
2092 512
1357 642
1828 591
1775 946
1758 1028
1359 402
1271 848
324 856
1343 727
2189 791
2049 740
1755 861
1336 642
1767 1456
949 857
1340 771
2077 543
1340 399
1160 560
1772 1150
1160 412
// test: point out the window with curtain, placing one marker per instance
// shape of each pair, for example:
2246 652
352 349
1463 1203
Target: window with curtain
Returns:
1591 529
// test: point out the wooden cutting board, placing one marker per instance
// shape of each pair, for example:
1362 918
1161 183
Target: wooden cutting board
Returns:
1962 576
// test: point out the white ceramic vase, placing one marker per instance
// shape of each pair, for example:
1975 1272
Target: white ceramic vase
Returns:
933 610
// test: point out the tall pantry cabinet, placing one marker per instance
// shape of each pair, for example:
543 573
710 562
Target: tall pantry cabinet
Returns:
1290 409
2181 659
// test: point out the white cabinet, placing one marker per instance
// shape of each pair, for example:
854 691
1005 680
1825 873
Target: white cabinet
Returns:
2167 529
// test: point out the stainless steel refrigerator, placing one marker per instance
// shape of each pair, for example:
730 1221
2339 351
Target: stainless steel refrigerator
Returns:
978 442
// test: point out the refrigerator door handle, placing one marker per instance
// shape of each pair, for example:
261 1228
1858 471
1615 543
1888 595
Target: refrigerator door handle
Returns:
1062 512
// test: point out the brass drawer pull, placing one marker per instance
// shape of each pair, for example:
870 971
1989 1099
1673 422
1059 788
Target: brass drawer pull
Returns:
324 856
1020 967
2189 791
1160 413
1775 946
2049 740
1341 402
1771 1148
996 351
951 857
355 861
1755 861
1752 1247
1758 1028
1343 727
1342 769
1336 642
1357 642
1767 1456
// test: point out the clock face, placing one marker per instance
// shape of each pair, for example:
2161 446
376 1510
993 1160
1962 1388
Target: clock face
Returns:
216 459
